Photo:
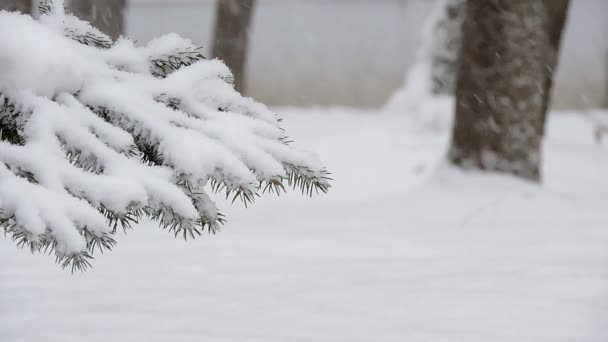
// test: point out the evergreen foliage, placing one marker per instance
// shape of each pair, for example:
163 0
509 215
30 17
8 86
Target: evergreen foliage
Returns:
97 134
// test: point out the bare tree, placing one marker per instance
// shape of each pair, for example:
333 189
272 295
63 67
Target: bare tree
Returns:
24 6
502 86
107 15
231 37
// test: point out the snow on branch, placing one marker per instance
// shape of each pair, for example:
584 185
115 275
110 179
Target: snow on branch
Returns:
97 134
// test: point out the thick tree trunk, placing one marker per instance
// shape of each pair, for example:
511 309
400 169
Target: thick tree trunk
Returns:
557 11
231 37
23 6
107 15
500 94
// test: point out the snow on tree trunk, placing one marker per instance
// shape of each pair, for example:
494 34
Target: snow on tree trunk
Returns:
231 37
23 6
557 11
96 134
500 94
108 15
431 81
444 44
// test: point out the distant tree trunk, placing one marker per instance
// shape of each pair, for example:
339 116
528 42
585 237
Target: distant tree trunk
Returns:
443 45
557 11
231 36
606 84
501 87
23 6
106 15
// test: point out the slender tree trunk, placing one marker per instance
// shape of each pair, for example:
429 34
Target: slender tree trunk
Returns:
23 6
500 94
231 37
106 15
606 85
557 11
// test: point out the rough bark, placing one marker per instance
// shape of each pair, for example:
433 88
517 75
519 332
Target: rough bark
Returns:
23 6
500 93
231 37
107 15
557 11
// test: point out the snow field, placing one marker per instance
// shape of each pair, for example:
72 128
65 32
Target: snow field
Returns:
403 248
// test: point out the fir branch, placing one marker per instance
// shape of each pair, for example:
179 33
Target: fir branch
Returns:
45 6
76 261
171 102
148 153
169 220
148 137
94 39
10 128
84 161
20 172
125 220
307 180
272 185
245 195
162 66
209 218
102 242
45 242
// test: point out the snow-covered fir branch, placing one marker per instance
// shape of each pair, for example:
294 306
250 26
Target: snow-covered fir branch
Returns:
97 134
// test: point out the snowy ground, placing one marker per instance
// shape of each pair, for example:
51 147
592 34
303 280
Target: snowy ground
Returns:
400 250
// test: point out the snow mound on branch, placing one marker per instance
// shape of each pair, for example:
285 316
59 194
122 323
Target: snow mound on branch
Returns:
38 59
97 134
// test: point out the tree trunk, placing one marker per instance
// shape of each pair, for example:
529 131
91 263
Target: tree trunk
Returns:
606 84
231 35
107 15
557 11
23 6
500 94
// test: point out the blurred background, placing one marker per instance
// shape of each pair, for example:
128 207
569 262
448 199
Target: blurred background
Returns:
353 53
411 243
356 52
